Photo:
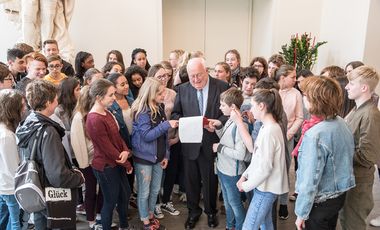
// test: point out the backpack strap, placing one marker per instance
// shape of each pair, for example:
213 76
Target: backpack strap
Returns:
34 146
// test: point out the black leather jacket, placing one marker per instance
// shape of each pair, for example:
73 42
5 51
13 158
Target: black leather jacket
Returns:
55 166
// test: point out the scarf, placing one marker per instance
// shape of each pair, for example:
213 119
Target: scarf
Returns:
235 76
306 125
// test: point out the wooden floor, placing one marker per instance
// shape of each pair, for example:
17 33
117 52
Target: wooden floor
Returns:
177 222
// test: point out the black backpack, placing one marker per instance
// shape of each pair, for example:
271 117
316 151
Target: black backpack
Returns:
29 192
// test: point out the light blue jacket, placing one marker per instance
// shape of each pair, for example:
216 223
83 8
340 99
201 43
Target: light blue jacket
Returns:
325 164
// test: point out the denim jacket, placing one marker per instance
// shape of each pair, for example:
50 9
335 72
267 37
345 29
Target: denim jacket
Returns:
325 164
118 113
144 137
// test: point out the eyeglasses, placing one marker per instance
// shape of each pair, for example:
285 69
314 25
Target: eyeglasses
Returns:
163 77
57 66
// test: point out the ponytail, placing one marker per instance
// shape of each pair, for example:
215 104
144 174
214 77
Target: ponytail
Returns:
277 109
272 100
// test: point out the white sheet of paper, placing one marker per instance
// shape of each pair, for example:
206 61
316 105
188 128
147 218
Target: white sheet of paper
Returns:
190 129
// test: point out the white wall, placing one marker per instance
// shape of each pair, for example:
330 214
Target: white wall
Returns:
227 27
122 25
183 25
372 40
344 26
292 17
98 27
211 26
275 21
372 45
262 24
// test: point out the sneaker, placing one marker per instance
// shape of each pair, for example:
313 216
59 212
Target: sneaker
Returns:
183 198
168 207
283 213
293 197
375 222
156 224
99 224
80 209
157 212
149 227
96 226
176 189
92 226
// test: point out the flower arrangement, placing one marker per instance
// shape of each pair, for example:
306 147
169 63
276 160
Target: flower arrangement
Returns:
302 53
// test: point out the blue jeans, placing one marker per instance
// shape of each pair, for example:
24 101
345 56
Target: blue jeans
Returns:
148 185
235 212
116 192
13 210
4 214
259 213
39 218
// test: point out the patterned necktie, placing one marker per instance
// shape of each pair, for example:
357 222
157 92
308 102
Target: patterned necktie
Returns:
200 101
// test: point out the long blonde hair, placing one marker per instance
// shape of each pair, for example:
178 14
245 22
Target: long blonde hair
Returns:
146 97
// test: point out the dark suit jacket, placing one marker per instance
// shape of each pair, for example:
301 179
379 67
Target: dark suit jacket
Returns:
186 105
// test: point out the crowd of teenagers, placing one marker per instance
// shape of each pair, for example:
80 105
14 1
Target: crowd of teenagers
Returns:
111 136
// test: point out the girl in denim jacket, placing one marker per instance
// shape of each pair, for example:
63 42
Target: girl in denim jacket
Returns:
325 156
267 174
150 147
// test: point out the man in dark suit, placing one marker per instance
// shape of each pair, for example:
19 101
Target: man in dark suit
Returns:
200 97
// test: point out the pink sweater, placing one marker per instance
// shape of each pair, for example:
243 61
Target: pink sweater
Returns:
292 103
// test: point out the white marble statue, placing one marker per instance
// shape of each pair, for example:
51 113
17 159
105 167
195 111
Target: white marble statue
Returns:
39 20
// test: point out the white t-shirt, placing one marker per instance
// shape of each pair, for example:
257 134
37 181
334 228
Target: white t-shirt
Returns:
9 160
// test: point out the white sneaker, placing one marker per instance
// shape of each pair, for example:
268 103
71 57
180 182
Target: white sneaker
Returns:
183 197
176 189
98 225
375 222
157 212
168 207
